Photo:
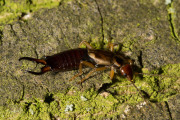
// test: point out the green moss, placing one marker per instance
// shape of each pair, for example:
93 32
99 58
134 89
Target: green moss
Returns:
12 10
13 111
171 16
128 42
162 83
37 109
90 104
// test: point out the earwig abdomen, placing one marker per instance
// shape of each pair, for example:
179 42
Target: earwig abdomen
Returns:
67 60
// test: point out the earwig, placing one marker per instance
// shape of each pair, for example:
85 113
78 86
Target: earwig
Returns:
98 60
73 59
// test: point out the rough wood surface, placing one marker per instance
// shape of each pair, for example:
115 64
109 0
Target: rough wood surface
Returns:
146 31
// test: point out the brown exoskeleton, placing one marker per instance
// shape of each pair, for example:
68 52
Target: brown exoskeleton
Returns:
98 60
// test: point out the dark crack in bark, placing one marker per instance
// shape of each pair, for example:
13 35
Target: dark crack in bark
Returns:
172 26
1 35
168 109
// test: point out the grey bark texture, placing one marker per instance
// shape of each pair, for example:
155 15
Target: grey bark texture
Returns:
144 31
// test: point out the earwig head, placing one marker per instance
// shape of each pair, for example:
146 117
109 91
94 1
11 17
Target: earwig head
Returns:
126 71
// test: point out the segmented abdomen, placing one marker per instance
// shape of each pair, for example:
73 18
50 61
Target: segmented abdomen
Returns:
67 60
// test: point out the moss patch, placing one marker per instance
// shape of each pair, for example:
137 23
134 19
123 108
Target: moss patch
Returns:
13 10
90 103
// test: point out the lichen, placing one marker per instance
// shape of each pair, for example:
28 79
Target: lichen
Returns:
12 10
160 87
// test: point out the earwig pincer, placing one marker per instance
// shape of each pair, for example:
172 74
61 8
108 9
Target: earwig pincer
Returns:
98 60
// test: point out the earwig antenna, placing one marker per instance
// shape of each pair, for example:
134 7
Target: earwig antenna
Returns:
155 75
150 75
138 89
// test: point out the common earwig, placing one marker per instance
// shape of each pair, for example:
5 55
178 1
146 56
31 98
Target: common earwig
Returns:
98 60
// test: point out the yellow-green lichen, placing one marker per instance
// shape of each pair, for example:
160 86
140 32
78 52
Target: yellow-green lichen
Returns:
96 105
162 82
12 10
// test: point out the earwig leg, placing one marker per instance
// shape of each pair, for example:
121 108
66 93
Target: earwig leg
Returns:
111 47
33 59
43 70
80 68
86 43
130 62
93 70
112 73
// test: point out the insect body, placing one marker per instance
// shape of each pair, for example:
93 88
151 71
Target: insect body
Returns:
98 60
